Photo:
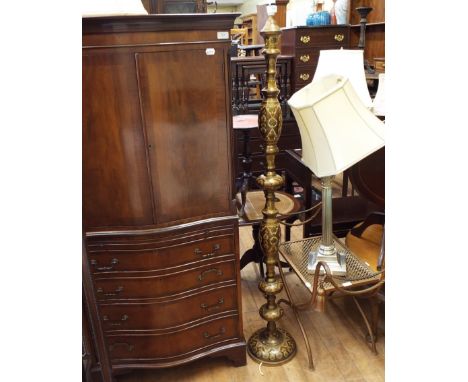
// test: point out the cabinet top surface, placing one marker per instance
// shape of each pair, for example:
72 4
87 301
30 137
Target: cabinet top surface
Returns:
316 27
158 22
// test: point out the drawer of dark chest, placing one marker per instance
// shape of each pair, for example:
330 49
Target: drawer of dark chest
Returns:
306 57
331 37
139 258
304 76
165 284
163 346
168 314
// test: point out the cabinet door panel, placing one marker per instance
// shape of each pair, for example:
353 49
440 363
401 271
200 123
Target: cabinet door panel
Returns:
116 187
183 98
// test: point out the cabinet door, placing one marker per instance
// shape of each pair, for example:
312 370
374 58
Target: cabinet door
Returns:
185 112
116 186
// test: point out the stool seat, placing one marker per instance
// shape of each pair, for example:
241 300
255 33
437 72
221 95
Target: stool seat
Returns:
245 121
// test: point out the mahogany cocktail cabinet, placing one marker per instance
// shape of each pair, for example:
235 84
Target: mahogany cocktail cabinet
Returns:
161 281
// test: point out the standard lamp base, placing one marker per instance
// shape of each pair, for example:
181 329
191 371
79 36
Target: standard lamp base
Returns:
271 349
336 262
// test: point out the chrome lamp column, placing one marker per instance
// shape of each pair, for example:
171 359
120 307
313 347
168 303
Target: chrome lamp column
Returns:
271 345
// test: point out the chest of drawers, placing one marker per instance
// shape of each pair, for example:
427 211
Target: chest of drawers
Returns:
305 43
166 296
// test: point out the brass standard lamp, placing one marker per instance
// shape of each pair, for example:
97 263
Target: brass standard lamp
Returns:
270 345
337 130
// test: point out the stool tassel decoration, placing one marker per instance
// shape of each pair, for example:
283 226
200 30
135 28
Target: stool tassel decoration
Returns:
271 345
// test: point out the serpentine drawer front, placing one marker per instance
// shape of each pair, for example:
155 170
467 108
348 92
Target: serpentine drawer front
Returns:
181 342
135 259
178 310
166 284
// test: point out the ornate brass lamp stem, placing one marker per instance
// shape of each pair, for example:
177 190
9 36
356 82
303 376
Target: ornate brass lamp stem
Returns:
271 345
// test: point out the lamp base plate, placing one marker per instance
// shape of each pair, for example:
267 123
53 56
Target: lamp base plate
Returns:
336 263
271 350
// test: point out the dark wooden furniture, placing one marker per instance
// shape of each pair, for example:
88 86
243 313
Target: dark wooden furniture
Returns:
248 73
365 239
161 259
305 43
375 28
347 210
245 123
175 6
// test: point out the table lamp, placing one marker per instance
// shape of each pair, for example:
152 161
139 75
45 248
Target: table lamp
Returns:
337 130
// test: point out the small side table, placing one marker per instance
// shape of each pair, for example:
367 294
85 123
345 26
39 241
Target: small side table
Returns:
360 281
255 202
245 123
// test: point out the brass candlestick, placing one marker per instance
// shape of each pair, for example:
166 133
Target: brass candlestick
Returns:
271 345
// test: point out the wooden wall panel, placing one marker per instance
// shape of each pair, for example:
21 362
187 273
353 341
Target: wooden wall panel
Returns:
377 14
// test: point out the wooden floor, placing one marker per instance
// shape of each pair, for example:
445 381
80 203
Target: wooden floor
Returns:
336 338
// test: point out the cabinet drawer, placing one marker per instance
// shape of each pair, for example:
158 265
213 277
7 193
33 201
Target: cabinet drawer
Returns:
306 57
178 343
145 260
168 314
304 76
166 284
319 37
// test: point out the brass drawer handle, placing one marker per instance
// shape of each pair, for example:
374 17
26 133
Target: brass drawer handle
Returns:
212 336
128 346
305 39
199 252
115 293
108 268
219 272
304 58
304 76
214 306
115 322
339 37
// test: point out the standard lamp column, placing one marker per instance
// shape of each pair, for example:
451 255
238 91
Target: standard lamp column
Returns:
270 345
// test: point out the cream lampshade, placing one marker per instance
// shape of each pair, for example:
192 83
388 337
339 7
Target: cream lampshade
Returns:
348 63
337 130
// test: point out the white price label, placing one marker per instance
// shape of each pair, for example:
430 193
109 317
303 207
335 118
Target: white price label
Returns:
210 51
223 35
